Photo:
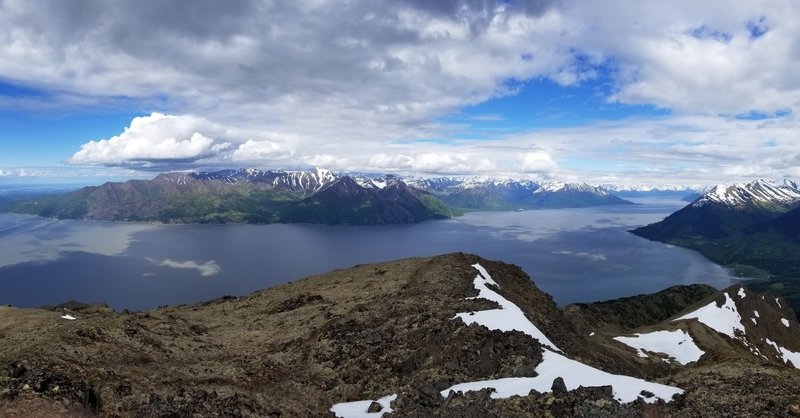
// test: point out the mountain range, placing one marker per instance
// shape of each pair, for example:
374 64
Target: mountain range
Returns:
318 196
448 336
753 228
245 195
507 194
662 191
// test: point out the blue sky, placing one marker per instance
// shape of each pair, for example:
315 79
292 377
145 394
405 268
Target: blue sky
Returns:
618 92
541 103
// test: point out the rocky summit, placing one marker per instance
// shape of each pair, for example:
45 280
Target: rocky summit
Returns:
448 336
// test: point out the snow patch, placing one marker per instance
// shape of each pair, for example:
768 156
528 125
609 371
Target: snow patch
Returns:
742 294
785 322
625 388
574 373
358 409
724 319
68 317
778 302
754 321
508 318
756 314
676 344
786 355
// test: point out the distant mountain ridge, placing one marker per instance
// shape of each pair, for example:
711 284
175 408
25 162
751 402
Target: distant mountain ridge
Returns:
756 193
477 193
299 181
727 210
312 196
245 195
752 227
649 188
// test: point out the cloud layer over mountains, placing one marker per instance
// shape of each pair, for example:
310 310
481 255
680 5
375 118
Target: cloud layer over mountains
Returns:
358 84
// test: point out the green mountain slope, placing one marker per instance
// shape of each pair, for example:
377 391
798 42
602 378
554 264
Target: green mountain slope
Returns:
344 202
756 238
240 196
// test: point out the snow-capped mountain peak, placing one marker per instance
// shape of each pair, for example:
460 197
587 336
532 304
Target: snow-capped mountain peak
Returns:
758 192
556 186
309 181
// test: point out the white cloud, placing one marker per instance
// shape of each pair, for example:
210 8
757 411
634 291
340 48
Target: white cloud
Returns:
384 67
695 57
538 162
261 151
326 160
154 138
68 175
452 163
383 161
358 87
682 149
166 142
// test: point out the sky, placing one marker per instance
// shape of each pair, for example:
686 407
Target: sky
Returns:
615 91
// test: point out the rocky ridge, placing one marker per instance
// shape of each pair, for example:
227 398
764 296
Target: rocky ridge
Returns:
413 328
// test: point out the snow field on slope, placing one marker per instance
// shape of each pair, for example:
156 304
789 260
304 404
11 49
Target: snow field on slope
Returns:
574 373
724 319
676 344
786 355
508 318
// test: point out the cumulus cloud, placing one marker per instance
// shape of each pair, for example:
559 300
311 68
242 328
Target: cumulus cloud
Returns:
695 62
163 142
677 149
538 162
154 138
326 160
382 161
397 62
261 151
357 87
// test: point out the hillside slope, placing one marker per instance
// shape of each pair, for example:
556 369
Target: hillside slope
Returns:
751 228
236 196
